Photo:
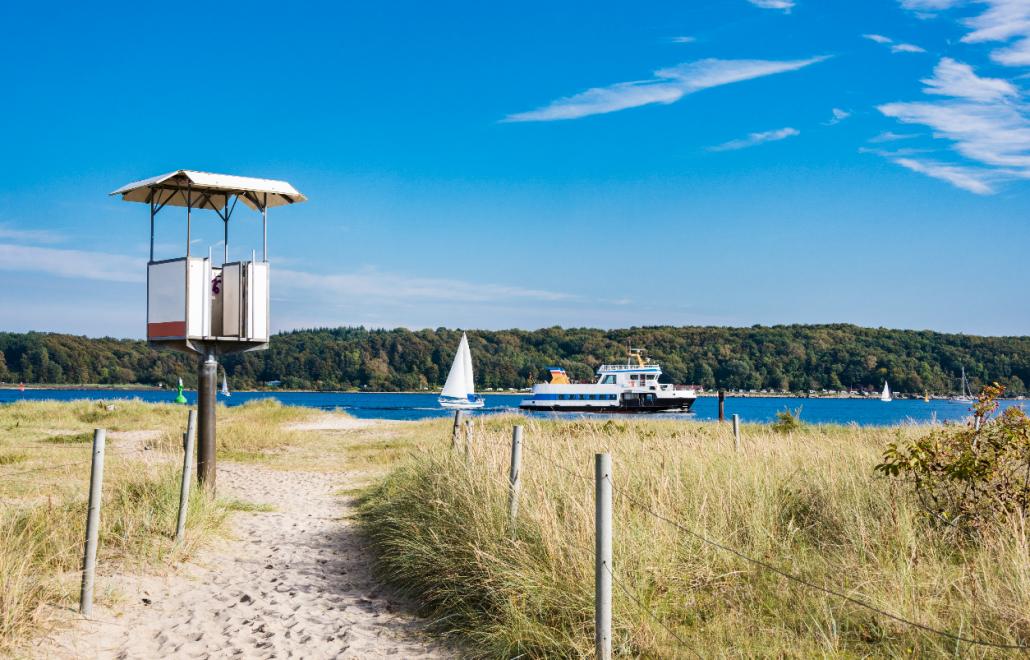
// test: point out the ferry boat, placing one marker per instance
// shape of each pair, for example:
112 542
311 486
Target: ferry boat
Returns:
632 387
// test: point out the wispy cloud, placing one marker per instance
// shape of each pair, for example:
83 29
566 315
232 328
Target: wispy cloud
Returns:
878 38
967 178
891 136
930 5
682 40
79 264
668 86
1005 21
391 286
782 5
983 117
754 139
838 116
951 78
895 46
12 233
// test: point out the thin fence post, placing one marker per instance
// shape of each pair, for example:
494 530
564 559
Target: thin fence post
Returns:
722 406
187 464
89 558
456 431
515 476
468 436
736 432
603 556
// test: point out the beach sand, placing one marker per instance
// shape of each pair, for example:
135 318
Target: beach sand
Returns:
293 582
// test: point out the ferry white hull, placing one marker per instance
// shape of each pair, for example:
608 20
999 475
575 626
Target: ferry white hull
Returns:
607 399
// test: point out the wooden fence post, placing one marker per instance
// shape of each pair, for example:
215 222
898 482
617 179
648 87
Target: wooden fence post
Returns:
515 477
468 436
456 431
736 432
187 465
603 556
722 406
89 558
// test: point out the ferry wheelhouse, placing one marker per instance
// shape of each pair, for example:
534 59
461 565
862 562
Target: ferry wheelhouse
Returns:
632 387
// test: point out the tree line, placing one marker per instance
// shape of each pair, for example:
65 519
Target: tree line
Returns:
789 357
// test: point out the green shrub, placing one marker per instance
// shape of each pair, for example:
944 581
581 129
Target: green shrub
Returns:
971 476
787 421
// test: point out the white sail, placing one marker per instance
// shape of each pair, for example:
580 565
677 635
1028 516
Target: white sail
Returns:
886 395
466 357
457 382
225 386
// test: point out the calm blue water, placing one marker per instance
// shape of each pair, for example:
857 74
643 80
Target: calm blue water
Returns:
421 406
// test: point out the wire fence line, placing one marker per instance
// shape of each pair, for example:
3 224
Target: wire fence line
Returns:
645 508
646 610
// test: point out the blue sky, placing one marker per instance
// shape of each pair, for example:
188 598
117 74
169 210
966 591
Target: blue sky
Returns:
525 165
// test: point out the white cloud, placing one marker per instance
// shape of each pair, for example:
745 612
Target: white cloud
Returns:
783 5
1001 21
9 232
756 138
966 178
891 136
896 47
78 264
682 40
929 5
951 78
391 286
983 117
838 116
668 86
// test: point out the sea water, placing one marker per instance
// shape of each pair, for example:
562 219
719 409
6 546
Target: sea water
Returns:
864 412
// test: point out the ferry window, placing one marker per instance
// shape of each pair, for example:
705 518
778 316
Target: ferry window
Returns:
593 397
608 380
651 377
561 396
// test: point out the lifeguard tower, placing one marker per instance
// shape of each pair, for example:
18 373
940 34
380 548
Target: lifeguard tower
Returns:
195 306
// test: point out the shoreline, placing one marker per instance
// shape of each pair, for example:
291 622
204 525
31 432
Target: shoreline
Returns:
273 390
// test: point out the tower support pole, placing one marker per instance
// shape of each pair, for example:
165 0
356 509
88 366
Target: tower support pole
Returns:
207 375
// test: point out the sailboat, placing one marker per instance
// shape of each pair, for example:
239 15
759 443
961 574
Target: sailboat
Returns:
885 396
225 385
965 394
459 392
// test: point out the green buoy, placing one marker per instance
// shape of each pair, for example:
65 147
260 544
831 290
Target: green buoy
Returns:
179 398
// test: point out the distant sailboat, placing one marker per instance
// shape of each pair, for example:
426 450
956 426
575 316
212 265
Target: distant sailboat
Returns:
459 392
225 385
885 396
964 393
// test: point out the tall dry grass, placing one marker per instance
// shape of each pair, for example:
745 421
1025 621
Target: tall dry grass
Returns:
807 501
45 449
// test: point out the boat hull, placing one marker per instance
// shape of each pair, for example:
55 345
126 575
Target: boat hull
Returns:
658 405
459 404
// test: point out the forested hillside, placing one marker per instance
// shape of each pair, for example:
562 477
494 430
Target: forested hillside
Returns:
797 358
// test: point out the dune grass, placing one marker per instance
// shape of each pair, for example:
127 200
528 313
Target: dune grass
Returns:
807 501
45 450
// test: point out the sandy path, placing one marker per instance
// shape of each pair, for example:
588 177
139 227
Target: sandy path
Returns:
294 583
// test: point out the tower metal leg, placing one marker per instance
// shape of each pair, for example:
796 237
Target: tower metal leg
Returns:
207 376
